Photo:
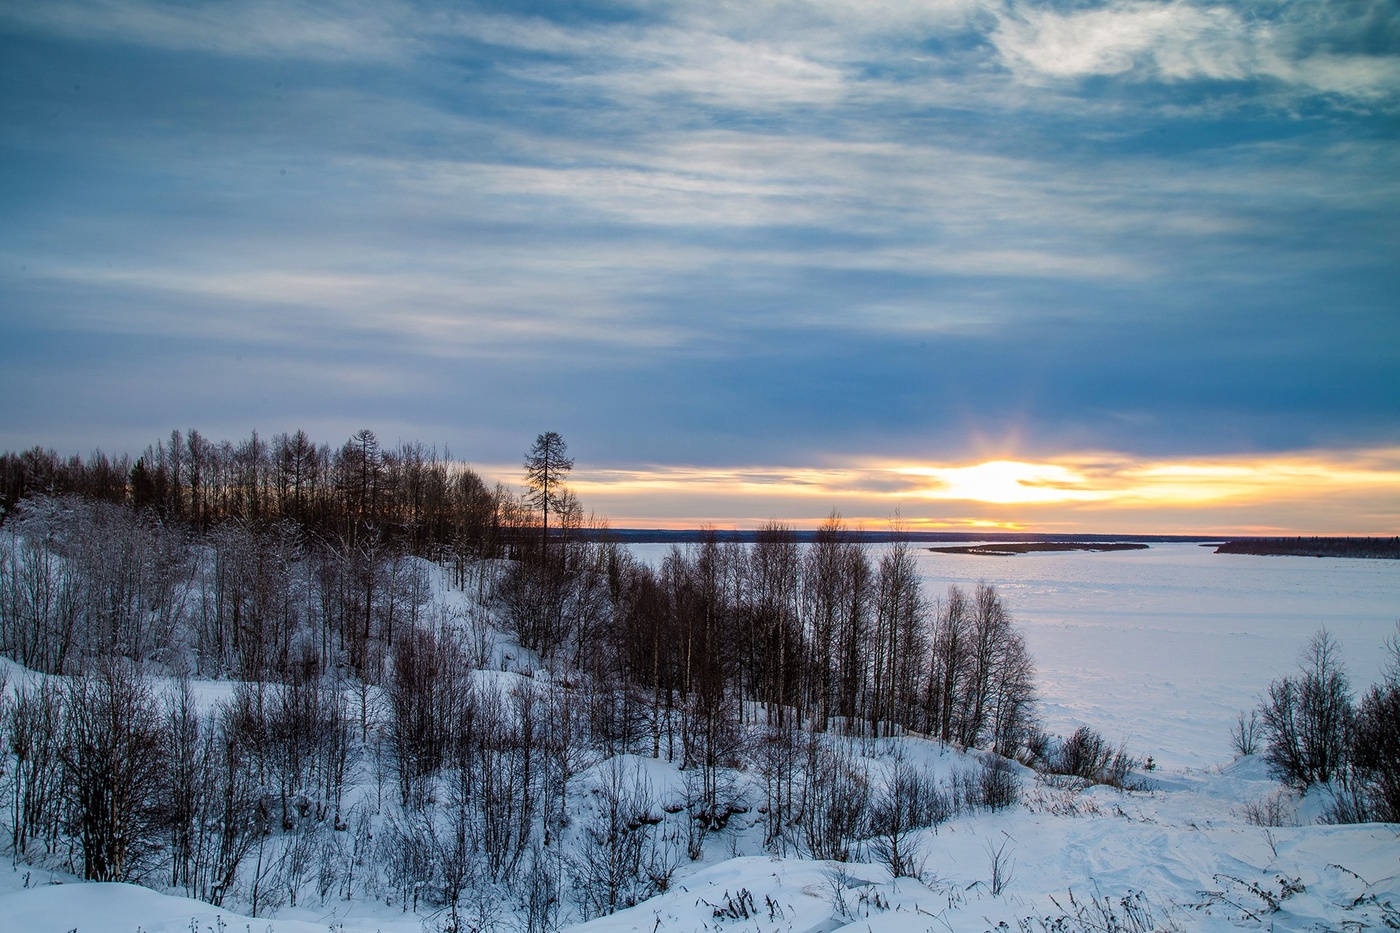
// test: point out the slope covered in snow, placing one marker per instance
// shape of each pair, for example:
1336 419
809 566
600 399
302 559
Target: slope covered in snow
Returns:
1126 647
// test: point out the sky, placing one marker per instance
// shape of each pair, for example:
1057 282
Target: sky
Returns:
1114 266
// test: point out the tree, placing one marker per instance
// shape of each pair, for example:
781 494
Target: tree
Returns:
546 465
114 768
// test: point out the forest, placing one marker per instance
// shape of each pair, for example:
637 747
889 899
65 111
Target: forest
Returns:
236 678
1369 548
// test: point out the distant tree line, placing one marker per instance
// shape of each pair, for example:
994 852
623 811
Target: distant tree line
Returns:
1315 547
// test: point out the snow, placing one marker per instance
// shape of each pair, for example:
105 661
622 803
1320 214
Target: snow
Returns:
1181 850
124 908
1162 647
1196 863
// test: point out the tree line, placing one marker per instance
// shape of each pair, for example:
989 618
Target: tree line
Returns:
431 504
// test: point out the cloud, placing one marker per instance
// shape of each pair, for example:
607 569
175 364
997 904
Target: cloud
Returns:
364 31
1179 41
1164 40
761 230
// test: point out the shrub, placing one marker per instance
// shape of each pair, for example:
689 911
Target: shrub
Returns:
1375 741
1087 754
908 802
1306 718
1273 810
999 784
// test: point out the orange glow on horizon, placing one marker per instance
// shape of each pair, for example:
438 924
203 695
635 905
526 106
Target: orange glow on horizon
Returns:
1316 492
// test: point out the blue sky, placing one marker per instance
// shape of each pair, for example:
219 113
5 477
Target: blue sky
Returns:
705 236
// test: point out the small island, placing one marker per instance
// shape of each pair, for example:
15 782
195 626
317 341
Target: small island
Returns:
1009 549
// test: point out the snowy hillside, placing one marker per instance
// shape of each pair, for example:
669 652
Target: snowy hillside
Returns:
1180 856
780 829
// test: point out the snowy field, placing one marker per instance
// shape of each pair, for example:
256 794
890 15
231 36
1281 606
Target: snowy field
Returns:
1161 647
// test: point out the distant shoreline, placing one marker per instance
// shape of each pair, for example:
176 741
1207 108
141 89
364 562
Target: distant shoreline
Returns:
1008 543
807 536
1374 548
1011 549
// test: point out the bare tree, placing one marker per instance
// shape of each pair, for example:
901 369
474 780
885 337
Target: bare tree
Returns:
114 769
426 678
900 644
40 597
1246 733
948 666
780 750
34 728
835 799
1306 717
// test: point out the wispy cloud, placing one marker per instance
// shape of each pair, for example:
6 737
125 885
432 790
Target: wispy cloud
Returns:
716 232
1180 41
263 28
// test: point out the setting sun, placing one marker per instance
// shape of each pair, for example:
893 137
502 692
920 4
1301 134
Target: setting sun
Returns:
1005 482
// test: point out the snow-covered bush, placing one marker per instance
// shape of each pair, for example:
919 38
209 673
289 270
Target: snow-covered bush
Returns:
622 858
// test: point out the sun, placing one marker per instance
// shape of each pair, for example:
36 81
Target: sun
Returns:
1004 482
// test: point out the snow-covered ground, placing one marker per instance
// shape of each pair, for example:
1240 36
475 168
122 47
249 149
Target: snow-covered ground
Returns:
1160 646
1180 854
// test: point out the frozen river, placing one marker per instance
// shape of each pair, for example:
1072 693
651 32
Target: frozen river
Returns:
1163 647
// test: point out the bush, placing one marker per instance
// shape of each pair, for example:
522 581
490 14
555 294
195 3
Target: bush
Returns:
1086 754
1375 745
1307 718
835 800
999 784
908 802
1274 810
